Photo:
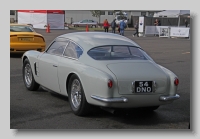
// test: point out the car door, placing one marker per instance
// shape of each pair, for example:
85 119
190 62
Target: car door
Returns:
69 63
49 63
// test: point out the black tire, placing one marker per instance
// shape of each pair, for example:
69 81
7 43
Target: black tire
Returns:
29 83
81 109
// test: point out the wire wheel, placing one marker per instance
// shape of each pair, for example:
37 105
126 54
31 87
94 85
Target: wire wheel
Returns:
28 74
76 93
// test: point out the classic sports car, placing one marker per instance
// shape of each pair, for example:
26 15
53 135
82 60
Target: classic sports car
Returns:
85 22
102 69
24 38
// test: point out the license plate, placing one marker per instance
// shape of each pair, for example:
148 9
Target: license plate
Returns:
143 86
25 39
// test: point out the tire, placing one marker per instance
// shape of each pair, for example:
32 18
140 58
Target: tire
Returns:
28 77
76 95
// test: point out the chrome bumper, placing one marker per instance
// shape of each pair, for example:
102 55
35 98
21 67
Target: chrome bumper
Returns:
168 98
118 100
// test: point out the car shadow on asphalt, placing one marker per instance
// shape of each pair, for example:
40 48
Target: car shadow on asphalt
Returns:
16 55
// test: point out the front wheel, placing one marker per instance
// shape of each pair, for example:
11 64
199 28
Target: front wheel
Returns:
78 102
28 77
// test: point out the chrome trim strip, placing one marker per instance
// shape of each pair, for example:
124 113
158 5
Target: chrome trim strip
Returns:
168 98
65 48
118 100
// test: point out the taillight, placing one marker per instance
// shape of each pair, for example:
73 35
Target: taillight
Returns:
110 83
176 81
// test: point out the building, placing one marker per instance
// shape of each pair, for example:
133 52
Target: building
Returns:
77 15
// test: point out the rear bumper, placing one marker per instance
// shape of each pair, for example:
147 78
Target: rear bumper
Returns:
22 47
124 99
113 100
131 101
169 98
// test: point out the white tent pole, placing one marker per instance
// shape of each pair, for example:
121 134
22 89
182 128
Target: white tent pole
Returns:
178 20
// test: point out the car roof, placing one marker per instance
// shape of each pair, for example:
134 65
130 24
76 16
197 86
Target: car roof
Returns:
88 40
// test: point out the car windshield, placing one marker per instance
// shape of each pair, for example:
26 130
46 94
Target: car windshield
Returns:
117 53
21 29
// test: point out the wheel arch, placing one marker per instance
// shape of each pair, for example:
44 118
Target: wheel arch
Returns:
67 81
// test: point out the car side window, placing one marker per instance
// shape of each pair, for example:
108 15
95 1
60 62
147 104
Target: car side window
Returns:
73 51
57 48
84 21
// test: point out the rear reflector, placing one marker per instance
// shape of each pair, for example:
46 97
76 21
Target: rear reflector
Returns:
110 83
176 81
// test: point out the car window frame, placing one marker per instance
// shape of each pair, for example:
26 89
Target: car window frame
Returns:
66 48
64 39
142 50
67 42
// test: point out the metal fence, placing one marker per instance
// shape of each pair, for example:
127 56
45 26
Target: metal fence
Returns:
165 21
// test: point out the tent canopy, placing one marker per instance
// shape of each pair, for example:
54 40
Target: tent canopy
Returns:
172 13
40 18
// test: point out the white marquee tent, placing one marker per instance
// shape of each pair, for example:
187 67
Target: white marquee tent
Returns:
40 18
172 13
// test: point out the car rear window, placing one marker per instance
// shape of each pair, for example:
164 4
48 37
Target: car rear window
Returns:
117 53
21 29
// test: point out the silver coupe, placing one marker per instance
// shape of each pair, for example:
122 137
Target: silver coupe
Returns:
102 69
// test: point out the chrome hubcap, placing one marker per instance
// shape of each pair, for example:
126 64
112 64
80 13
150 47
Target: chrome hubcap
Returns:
28 74
76 93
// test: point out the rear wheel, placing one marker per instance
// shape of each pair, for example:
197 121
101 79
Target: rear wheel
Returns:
76 95
28 77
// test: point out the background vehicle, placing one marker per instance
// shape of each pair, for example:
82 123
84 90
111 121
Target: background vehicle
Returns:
83 23
120 16
24 38
102 69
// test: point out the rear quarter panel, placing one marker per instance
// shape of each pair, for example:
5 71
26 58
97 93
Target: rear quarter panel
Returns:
32 56
172 76
94 81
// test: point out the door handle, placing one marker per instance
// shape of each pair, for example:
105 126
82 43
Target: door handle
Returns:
55 66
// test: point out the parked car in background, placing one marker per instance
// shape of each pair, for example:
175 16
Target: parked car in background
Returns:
23 38
102 69
84 23
120 16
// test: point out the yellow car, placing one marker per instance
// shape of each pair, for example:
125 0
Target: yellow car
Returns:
24 38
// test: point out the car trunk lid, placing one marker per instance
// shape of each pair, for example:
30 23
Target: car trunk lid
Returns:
139 77
26 37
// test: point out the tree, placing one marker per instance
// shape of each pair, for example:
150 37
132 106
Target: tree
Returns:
97 14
